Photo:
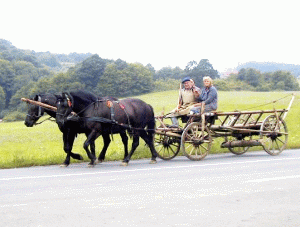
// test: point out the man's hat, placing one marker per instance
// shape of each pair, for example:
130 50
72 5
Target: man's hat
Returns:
186 79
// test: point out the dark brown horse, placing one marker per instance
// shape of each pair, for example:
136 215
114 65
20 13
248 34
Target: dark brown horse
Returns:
35 112
104 117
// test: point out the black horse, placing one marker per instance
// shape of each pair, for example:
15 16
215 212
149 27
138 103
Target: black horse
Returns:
105 117
35 112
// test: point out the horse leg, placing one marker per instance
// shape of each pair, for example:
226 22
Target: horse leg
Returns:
91 138
125 143
135 144
92 146
68 139
106 141
148 138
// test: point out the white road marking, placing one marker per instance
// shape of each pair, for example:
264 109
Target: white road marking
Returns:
12 205
146 169
272 179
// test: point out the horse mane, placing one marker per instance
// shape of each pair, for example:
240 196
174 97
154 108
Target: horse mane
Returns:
80 99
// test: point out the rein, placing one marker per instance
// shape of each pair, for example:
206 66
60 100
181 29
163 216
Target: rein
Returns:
112 120
49 118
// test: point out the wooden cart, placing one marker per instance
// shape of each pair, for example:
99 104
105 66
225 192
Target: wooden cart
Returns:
240 130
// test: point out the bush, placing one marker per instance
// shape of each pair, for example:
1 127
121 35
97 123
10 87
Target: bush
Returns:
14 116
166 85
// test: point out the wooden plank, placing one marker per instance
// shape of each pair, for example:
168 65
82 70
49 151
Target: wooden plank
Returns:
248 112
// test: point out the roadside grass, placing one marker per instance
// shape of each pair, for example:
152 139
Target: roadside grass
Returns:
21 146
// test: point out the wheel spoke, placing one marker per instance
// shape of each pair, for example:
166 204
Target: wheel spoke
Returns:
192 150
161 147
204 147
277 145
189 145
171 148
269 143
280 140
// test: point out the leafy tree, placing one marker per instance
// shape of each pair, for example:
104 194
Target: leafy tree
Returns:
232 83
164 73
284 80
2 99
252 77
7 74
121 64
90 71
151 68
242 74
200 70
51 61
191 66
166 84
169 73
135 79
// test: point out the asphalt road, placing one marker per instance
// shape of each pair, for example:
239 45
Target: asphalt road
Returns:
254 189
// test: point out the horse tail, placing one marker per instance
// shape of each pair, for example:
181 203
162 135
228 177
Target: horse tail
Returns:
151 124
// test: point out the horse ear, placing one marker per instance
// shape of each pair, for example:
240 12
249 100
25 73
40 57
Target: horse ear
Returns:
68 99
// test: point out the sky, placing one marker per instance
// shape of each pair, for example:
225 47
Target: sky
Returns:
164 33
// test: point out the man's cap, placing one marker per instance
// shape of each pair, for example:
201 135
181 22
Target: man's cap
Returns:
186 79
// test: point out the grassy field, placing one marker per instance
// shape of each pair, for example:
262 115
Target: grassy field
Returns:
42 144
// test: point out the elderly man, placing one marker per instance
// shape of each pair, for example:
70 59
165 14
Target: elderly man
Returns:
188 96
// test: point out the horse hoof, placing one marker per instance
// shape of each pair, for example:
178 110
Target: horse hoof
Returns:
90 165
64 165
98 161
124 164
153 162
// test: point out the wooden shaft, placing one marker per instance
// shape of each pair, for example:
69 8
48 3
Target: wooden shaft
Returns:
37 103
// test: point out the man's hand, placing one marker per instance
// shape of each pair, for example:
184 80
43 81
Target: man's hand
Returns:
178 107
196 93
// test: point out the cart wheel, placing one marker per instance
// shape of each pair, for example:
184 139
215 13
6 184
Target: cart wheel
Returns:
236 150
167 147
194 145
274 135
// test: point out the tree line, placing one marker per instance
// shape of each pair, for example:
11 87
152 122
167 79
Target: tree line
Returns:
25 74
253 80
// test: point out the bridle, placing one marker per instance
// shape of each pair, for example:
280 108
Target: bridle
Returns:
34 116
67 112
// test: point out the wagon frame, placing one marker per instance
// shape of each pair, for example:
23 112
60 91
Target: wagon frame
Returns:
240 130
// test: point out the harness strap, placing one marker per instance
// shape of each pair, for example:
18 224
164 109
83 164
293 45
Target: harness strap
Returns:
123 108
40 108
112 115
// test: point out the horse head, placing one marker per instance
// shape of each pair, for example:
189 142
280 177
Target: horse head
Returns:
34 112
64 106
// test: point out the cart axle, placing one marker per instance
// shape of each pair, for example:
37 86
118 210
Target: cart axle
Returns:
241 143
